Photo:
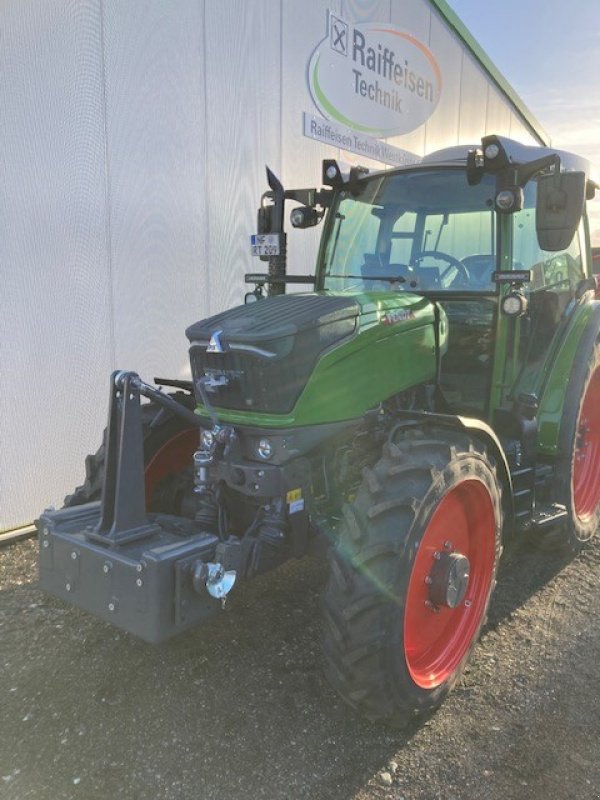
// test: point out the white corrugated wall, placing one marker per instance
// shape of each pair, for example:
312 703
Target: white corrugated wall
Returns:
133 139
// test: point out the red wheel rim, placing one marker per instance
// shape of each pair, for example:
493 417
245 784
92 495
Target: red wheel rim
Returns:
586 458
173 456
437 638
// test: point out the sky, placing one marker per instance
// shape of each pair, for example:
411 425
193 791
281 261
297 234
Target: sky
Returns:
549 51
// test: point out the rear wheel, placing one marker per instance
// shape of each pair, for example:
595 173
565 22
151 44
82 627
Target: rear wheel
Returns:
168 450
578 482
412 575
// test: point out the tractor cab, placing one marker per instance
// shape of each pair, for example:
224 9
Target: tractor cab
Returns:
469 229
425 231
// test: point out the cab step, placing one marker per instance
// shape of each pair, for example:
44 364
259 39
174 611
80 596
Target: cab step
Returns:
548 517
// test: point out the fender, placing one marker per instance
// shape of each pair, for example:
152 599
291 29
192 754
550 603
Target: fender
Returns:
578 341
482 431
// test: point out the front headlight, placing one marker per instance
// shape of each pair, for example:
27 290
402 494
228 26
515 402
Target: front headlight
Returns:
265 448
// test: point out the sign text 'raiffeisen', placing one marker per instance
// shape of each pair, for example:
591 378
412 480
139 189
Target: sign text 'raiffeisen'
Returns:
374 78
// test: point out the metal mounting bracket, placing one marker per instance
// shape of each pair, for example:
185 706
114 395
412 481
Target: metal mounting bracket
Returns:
123 510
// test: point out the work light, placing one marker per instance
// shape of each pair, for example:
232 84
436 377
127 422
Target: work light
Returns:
514 304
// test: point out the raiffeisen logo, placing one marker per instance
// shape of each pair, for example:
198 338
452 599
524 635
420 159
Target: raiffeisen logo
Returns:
374 78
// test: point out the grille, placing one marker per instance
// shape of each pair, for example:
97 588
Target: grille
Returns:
271 348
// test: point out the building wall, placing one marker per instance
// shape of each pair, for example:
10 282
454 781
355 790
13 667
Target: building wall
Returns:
133 139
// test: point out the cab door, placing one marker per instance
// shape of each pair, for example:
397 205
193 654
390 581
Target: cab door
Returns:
555 277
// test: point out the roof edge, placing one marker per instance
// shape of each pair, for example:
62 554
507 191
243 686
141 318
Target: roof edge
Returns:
473 45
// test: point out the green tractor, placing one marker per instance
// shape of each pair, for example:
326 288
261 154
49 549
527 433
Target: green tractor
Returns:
436 391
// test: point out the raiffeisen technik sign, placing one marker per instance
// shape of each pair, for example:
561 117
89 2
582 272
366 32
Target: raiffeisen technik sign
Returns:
374 78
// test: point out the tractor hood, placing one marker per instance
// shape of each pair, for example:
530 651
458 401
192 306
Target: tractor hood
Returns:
261 357
270 327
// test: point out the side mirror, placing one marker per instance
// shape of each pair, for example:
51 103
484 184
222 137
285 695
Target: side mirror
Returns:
560 201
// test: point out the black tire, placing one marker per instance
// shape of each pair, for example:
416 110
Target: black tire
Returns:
580 494
156 437
370 604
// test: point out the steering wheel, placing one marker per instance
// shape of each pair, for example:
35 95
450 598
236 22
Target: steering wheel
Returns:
452 263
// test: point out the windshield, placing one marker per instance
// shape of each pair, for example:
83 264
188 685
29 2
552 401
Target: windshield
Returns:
424 230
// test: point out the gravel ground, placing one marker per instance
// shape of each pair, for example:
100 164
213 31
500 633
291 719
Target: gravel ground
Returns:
239 708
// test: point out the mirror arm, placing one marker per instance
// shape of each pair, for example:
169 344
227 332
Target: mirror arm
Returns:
517 175
526 172
310 197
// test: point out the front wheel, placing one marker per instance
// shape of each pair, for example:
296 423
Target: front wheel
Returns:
412 575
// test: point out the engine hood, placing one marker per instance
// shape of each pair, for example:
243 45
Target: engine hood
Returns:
275 321
265 357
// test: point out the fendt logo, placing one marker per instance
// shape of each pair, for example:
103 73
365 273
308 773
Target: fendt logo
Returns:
374 78
215 344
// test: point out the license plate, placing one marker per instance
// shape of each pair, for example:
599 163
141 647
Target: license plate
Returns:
264 244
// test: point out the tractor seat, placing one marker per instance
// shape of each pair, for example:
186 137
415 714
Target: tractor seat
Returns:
480 268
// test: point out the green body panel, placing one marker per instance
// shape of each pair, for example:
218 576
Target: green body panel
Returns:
392 350
555 374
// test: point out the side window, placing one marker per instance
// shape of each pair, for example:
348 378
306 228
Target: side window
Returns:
551 272
554 278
